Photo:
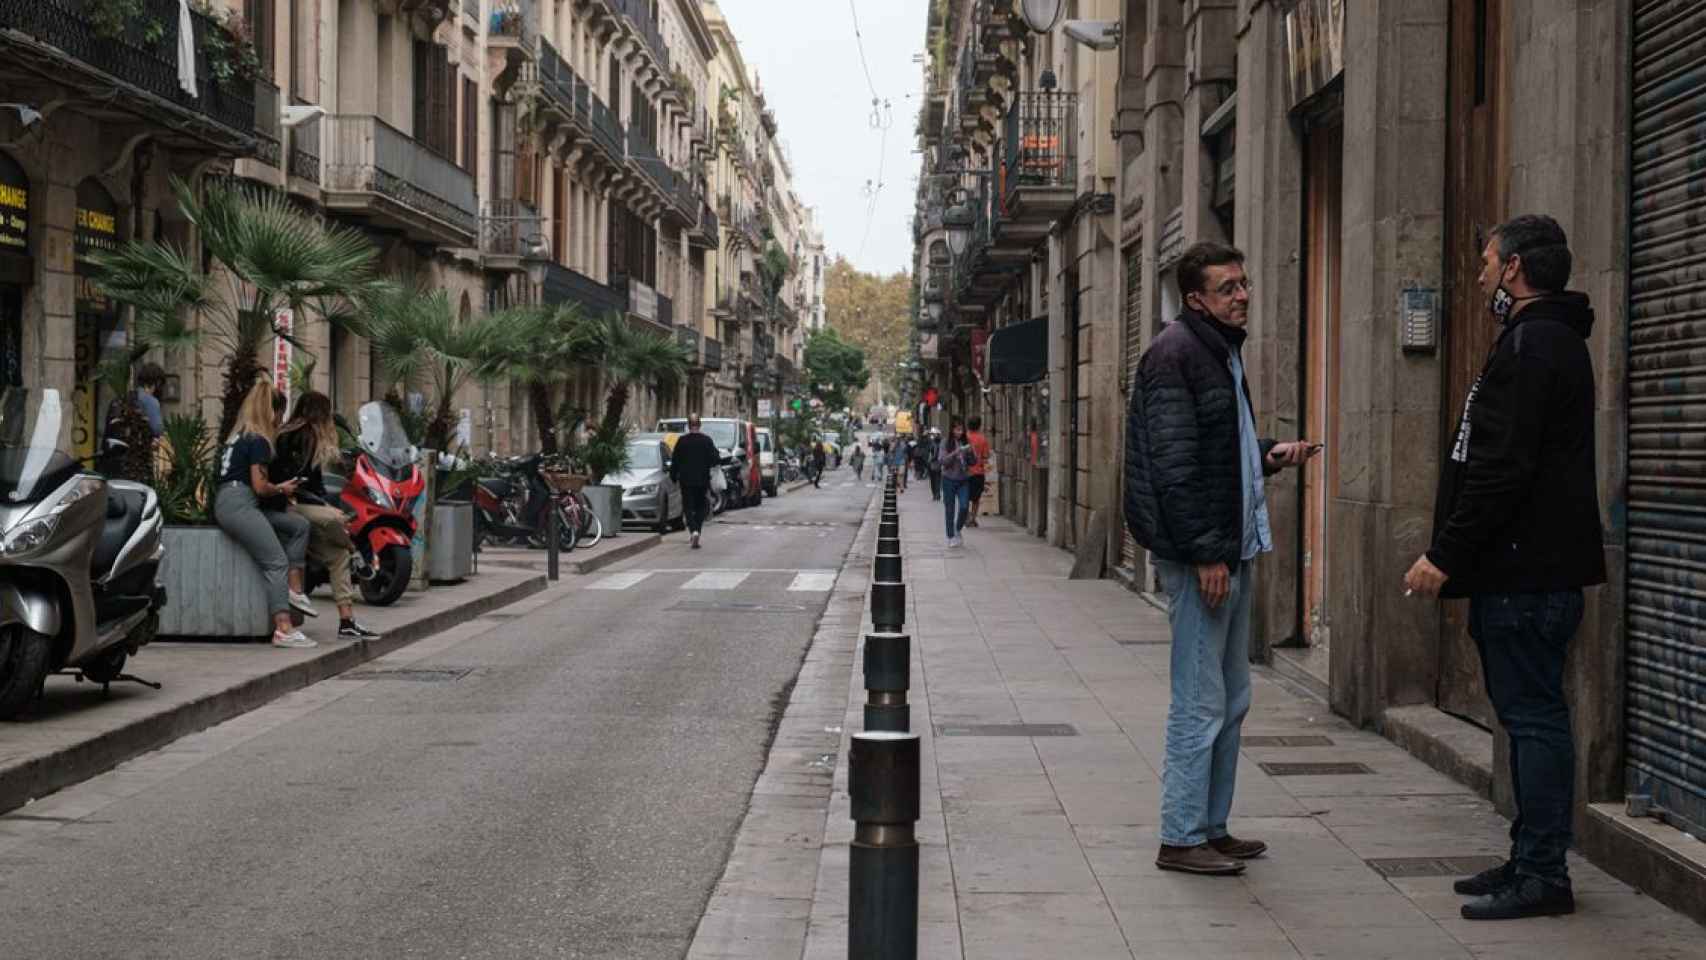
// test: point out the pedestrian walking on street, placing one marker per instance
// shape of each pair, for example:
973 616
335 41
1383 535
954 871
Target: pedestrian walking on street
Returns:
1195 500
958 458
980 470
819 458
857 460
897 463
933 461
1517 531
690 466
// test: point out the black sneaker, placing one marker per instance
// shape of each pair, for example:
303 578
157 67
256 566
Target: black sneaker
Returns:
351 630
1524 897
1488 881
359 566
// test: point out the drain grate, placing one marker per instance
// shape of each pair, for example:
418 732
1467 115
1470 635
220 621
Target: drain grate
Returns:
1292 741
736 606
1395 868
417 675
1313 769
1006 730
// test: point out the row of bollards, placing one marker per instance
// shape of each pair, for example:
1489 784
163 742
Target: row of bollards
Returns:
883 771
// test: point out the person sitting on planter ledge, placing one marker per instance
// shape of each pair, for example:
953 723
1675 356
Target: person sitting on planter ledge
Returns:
277 540
305 446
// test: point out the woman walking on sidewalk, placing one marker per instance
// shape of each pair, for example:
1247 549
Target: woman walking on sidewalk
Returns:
957 460
278 540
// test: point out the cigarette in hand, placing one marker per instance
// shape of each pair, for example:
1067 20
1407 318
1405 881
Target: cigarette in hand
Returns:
1408 593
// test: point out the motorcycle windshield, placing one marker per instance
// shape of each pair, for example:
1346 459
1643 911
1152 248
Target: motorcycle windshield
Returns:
31 461
383 436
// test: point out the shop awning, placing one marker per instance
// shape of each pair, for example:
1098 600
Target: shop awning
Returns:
1018 352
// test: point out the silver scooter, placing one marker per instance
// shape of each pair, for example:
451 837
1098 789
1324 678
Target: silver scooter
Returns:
79 556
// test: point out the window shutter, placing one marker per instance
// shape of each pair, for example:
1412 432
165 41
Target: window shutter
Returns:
423 107
470 123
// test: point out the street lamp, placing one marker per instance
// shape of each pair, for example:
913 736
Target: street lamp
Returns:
958 222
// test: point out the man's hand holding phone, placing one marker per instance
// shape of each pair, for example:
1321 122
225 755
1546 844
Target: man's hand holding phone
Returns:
1293 453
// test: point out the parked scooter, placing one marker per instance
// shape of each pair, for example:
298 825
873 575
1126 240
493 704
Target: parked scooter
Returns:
734 494
513 507
378 498
79 555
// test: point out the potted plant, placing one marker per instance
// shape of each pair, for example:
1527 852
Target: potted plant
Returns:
606 452
452 556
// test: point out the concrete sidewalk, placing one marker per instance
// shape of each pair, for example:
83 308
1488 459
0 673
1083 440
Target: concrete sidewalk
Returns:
1041 842
76 731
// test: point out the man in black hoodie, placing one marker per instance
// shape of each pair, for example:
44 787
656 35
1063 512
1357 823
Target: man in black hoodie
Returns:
690 465
1517 531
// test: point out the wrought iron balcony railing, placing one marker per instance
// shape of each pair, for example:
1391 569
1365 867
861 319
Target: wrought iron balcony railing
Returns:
369 155
1040 134
269 130
510 228
141 59
305 150
638 13
689 339
666 310
563 285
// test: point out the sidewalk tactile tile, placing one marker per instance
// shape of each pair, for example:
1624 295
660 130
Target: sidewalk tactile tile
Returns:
1006 730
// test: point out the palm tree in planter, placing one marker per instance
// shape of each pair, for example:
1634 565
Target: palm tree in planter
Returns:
265 254
419 341
628 357
548 345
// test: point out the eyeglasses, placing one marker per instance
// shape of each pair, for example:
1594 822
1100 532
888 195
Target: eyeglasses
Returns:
1231 287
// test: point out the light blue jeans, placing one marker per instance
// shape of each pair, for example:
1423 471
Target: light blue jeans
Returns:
1211 695
956 502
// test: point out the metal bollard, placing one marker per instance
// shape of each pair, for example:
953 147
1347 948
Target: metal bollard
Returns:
882 874
888 545
553 545
888 675
888 528
887 568
888 606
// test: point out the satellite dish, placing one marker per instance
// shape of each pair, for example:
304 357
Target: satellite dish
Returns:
1042 15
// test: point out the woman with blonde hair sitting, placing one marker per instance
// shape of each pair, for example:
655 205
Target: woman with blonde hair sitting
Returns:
276 539
306 445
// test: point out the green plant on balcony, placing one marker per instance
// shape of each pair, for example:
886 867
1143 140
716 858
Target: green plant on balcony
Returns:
684 87
230 52
111 19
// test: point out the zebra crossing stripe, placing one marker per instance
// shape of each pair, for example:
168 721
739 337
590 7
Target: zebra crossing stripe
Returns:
619 581
716 580
815 581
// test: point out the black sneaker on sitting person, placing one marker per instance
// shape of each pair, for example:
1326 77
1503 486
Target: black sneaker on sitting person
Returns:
359 566
1488 881
1524 897
351 630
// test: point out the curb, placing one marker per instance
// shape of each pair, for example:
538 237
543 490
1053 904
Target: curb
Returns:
40 776
615 554
796 485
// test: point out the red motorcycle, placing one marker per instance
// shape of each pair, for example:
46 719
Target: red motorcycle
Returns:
378 499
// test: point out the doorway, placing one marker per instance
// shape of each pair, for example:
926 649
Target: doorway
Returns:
1476 197
1323 196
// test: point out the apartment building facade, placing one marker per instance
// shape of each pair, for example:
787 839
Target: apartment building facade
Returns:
508 152
1359 155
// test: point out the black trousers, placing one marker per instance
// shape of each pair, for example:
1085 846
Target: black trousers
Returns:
935 484
695 504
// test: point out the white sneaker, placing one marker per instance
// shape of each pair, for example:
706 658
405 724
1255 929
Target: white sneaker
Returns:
295 639
301 604
959 542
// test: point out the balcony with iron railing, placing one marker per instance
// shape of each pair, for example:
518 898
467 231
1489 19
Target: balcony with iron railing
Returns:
510 232
269 130
566 286
708 231
305 150
137 68
1041 164
638 15
378 173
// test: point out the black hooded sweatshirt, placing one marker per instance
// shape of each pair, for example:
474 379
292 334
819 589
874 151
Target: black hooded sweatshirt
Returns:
1518 505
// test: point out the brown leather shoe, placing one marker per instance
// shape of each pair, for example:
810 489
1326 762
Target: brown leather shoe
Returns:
1238 849
1201 858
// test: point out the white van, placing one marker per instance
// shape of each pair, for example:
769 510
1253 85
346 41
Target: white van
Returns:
769 471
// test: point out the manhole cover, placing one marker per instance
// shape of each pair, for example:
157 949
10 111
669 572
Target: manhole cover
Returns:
736 606
1313 769
1006 730
1294 741
417 675
1399 867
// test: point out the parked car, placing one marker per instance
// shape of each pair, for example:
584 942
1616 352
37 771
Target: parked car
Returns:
768 468
731 436
649 497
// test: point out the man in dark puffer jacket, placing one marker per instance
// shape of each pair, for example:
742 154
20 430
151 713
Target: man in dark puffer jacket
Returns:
1194 500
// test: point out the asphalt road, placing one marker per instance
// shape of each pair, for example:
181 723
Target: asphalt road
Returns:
574 794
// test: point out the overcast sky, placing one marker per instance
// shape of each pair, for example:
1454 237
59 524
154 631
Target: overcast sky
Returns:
805 55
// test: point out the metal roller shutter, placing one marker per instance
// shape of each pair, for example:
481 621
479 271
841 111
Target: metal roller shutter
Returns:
1666 617
1133 351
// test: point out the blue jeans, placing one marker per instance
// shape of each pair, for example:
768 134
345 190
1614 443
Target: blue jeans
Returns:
1211 695
1523 639
956 502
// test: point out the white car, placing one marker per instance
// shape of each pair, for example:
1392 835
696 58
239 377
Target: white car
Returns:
768 470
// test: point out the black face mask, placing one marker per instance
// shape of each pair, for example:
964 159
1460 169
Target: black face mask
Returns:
1502 302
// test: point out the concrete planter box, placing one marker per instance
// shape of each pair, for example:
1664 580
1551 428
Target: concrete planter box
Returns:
452 553
213 587
606 501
